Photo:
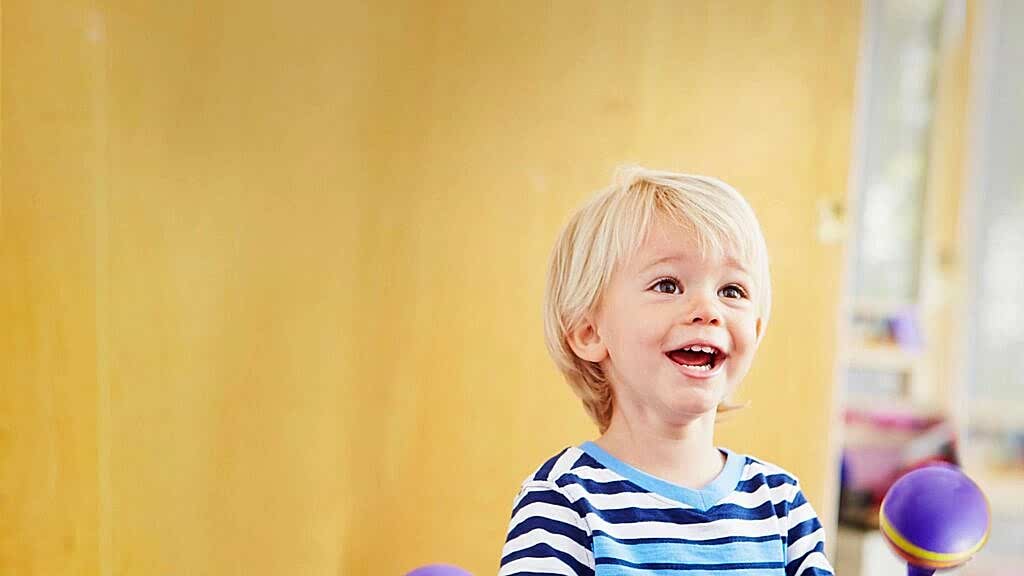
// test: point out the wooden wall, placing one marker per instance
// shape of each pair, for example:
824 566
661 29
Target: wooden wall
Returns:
272 272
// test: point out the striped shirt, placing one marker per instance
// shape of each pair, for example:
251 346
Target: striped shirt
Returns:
584 512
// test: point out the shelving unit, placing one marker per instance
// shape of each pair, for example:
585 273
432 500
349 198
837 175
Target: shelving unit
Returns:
924 287
993 385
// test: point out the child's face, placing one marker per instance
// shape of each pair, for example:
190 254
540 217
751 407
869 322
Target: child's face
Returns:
664 299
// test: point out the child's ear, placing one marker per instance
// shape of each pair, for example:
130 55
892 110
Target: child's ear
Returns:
586 342
758 331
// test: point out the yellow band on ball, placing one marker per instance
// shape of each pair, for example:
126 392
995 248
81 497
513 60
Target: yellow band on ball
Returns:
947 559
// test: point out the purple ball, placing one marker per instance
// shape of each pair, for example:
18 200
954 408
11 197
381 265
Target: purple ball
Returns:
935 517
439 570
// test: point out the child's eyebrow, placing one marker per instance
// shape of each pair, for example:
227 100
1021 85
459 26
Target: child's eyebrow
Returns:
734 263
660 261
729 261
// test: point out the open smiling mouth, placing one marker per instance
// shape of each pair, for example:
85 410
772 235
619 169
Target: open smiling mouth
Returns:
699 358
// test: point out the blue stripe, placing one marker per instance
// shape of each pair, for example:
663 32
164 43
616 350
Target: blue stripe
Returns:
798 501
630 571
594 487
676 566
547 551
553 527
793 564
586 460
545 469
545 573
803 529
660 551
544 497
812 572
750 485
783 508
770 551
701 499
683 516
710 542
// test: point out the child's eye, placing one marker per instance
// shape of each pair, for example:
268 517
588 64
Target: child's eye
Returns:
666 282
733 291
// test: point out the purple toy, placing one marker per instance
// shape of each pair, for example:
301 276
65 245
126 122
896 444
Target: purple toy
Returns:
934 517
439 570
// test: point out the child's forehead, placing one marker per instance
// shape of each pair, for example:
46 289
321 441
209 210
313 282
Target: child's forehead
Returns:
667 241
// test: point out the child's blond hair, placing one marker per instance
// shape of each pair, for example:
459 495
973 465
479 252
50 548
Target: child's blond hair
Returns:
609 228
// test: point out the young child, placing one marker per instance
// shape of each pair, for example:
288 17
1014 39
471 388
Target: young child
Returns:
658 295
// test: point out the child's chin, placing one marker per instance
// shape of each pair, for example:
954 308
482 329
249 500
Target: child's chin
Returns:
696 404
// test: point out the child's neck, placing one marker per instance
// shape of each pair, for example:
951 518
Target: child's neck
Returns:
684 456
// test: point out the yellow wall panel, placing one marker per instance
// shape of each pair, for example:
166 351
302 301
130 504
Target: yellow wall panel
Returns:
274 273
530 116
48 444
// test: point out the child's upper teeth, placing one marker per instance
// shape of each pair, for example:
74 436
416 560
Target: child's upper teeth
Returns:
705 349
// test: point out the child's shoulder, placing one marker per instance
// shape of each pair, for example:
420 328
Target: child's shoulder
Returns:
773 474
553 470
573 464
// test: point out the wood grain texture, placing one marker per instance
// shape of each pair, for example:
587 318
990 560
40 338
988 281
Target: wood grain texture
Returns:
273 274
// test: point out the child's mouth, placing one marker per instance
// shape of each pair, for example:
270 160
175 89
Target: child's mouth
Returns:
698 358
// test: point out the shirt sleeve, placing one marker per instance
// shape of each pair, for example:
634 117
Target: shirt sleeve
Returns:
546 535
805 539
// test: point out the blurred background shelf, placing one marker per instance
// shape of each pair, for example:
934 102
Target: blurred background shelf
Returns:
882 357
931 351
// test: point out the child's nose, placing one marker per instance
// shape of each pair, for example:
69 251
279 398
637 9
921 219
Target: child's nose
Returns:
705 319
703 311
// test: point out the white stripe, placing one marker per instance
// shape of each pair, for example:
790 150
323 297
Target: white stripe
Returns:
628 500
649 500
703 531
538 486
805 544
556 541
552 565
609 475
786 487
631 571
798 515
548 512
564 463
532 486
753 471
767 469
815 560
597 474
751 500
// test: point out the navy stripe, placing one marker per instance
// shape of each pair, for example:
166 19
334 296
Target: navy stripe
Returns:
589 572
542 473
783 507
672 566
750 485
803 529
776 480
547 551
686 516
544 497
586 460
711 542
814 572
594 487
551 526
567 499
798 501
793 565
